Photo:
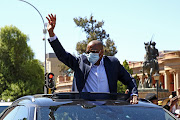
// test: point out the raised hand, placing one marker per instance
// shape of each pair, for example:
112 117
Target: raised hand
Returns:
134 99
51 24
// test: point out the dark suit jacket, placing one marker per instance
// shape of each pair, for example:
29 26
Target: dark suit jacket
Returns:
81 66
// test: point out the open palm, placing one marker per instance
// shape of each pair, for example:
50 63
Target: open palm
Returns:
51 22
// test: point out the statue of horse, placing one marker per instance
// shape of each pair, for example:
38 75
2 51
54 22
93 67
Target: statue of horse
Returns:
149 65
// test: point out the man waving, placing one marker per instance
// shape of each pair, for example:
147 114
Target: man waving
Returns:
93 72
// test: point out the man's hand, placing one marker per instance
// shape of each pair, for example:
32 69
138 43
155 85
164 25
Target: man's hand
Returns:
51 24
134 99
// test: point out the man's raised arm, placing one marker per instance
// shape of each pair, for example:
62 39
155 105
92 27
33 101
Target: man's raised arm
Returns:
65 57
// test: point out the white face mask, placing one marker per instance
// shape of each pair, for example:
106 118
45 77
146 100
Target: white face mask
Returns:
93 57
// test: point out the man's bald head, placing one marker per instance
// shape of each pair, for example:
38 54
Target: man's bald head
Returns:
95 45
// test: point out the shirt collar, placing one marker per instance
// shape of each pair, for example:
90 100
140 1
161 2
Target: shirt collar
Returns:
101 63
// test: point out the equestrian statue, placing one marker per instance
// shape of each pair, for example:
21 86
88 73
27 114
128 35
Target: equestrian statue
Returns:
150 64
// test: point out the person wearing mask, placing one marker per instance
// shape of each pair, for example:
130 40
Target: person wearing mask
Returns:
173 106
93 72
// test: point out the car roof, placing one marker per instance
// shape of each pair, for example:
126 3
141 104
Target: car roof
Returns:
78 98
49 102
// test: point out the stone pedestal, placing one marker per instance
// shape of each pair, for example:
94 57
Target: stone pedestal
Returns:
162 93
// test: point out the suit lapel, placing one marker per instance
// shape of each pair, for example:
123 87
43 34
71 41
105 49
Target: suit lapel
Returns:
108 69
84 70
87 70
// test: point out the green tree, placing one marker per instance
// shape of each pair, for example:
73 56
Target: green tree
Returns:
20 73
121 88
94 31
64 69
126 66
137 80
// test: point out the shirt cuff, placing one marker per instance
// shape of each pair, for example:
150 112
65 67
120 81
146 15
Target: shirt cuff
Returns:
52 38
134 94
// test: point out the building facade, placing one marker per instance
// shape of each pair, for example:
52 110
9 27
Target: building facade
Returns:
169 70
63 81
169 65
52 64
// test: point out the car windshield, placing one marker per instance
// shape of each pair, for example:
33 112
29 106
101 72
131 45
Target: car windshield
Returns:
107 112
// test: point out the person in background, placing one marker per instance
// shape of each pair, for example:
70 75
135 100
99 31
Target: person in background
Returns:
173 104
93 71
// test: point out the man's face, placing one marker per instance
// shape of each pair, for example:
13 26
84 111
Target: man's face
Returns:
93 48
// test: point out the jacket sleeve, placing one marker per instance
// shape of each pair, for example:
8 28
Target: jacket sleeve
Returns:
65 57
127 79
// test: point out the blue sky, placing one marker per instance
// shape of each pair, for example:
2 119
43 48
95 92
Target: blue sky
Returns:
130 23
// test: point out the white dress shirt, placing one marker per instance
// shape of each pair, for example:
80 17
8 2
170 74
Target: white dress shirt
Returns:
97 79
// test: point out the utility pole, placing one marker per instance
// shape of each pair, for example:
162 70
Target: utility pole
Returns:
44 38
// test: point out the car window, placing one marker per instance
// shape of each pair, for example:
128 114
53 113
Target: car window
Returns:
102 113
16 113
4 105
2 108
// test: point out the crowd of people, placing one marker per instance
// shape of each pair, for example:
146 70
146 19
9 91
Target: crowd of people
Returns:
173 103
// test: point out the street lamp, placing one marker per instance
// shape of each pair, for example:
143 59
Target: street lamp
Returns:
44 38
156 78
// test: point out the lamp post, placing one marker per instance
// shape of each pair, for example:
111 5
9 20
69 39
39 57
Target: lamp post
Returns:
156 77
44 38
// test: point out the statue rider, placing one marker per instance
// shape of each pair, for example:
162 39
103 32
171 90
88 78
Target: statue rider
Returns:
155 54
